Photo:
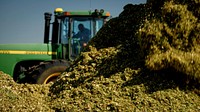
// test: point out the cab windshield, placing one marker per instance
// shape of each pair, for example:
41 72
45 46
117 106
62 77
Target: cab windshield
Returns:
82 30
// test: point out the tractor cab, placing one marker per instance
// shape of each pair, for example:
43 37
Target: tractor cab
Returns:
72 30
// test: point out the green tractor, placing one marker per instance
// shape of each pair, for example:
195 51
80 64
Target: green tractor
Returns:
43 63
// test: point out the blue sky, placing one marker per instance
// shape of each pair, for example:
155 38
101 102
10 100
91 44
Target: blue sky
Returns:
22 21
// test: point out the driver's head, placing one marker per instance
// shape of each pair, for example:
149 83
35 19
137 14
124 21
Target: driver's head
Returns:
81 27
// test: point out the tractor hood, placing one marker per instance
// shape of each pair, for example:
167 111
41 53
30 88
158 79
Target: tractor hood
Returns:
12 54
25 49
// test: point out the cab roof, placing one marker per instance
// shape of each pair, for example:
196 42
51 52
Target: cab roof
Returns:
60 12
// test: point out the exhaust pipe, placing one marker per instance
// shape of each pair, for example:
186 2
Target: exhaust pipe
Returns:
47 17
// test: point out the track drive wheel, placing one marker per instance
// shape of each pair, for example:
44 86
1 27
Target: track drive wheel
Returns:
48 71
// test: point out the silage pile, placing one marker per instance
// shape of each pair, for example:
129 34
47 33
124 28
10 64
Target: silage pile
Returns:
173 39
22 97
146 59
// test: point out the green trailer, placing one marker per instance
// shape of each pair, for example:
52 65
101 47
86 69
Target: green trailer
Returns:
42 63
